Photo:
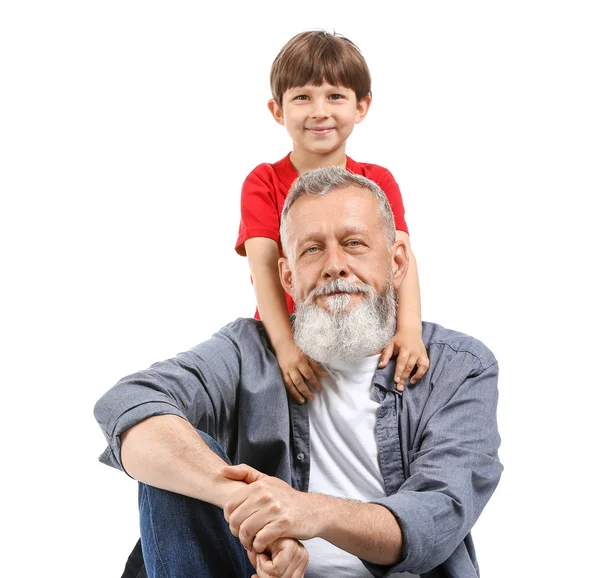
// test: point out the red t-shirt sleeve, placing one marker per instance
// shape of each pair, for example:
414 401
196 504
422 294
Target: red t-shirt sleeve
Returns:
392 191
260 215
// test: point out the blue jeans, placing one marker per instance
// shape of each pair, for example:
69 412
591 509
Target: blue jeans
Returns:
186 538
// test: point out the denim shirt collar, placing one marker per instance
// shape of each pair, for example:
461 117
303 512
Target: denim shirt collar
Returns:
383 391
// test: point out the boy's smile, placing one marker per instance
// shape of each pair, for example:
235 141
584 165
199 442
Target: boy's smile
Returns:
319 120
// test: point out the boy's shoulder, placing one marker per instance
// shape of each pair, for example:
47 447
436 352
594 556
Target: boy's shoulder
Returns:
369 170
281 164
280 173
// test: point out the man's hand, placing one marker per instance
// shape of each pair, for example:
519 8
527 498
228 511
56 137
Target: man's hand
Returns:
408 346
268 509
286 558
297 370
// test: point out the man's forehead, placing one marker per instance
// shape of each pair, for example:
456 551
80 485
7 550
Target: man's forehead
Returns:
349 203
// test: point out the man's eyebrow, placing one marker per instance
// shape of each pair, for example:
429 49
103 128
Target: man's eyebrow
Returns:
318 235
309 237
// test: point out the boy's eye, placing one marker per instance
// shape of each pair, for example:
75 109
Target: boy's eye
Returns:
336 96
301 97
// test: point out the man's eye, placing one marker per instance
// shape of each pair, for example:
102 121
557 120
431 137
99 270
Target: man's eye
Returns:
311 250
353 243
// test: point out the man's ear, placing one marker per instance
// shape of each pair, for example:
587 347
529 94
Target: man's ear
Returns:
276 111
400 261
362 108
285 275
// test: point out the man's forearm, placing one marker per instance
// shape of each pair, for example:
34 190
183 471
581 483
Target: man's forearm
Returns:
165 451
366 530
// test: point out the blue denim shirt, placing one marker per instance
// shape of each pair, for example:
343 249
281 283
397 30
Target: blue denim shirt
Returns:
437 442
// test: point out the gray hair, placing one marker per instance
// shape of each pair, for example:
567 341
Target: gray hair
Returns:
319 182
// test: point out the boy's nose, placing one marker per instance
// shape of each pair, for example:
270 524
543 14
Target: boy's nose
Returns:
319 109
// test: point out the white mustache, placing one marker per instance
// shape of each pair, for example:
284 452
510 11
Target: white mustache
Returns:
339 286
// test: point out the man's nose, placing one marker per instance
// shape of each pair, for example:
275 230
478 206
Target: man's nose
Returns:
336 265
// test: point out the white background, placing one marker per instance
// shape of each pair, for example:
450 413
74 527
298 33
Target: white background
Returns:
126 130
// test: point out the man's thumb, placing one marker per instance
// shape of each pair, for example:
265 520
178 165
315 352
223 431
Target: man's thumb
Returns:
241 472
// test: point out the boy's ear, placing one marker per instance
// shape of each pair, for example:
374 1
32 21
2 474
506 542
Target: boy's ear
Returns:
362 108
276 111
285 275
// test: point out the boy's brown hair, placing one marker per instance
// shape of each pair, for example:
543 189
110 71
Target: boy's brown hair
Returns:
316 57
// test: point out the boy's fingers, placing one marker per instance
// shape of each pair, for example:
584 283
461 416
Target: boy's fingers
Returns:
423 366
291 389
310 376
318 368
410 364
386 354
298 380
400 364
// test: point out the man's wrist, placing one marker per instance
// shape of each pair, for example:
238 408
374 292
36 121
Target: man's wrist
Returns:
321 507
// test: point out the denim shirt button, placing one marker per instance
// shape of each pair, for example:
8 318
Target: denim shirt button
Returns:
300 456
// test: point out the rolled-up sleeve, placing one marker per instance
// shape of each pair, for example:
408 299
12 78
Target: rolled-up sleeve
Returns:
199 385
453 466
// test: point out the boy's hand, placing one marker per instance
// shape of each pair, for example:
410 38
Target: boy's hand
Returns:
411 352
286 558
297 369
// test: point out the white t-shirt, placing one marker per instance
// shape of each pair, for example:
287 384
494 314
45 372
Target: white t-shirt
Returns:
343 455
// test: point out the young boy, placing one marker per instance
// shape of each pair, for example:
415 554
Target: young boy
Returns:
321 88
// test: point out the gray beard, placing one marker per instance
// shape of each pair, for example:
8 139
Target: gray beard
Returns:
339 335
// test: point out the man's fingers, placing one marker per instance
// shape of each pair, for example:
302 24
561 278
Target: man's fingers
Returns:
286 560
301 567
241 472
234 502
263 565
247 527
252 557
266 535
280 559
296 567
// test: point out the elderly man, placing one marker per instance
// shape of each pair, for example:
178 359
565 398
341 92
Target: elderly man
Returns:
362 481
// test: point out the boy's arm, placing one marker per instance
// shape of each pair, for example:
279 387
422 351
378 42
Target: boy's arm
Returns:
263 255
408 343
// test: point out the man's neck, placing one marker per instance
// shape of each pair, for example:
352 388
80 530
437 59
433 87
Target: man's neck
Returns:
362 364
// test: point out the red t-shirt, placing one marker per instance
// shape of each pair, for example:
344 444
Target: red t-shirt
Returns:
266 187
